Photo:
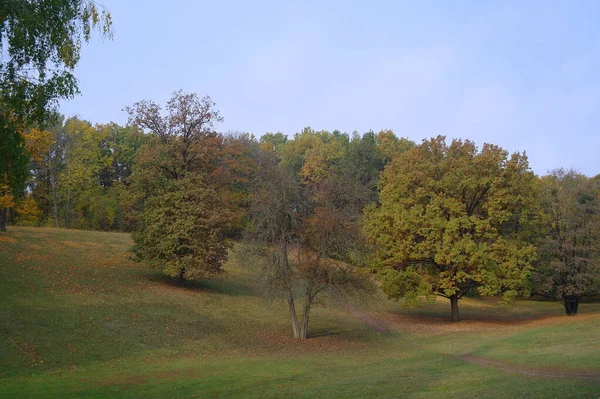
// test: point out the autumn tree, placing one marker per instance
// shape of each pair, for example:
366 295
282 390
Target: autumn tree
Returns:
232 167
272 141
452 220
305 243
181 230
184 215
37 144
182 135
40 43
569 264
275 220
28 210
389 146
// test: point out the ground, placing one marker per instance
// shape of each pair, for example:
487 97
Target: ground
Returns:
80 318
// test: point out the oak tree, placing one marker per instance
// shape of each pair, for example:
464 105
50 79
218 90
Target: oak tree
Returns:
184 215
452 220
181 230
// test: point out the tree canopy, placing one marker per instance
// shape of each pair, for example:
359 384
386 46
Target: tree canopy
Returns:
569 265
451 220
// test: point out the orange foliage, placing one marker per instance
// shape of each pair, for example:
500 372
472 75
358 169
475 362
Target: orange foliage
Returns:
28 209
6 197
37 143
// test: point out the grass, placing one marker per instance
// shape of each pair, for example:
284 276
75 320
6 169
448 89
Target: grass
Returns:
79 318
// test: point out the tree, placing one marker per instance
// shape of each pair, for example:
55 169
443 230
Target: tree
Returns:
390 146
40 43
453 219
182 136
83 162
184 213
569 264
28 210
272 141
6 202
181 230
299 233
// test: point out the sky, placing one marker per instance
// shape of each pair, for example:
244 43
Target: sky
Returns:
524 75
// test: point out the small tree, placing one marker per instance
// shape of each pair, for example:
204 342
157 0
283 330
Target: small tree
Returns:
181 231
569 265
453 219
28 210
296 233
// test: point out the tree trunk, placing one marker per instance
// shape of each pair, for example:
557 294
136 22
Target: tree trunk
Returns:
293 317
68 208
53 185
571 303
304 325
454 307
181 278
3 217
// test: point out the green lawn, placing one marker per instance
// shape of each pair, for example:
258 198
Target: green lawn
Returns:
79 318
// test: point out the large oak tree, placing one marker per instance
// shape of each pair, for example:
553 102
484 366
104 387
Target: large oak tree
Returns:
453 219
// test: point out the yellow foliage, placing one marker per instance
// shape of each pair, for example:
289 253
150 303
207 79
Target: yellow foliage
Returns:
37 143
6 197
27 209
319 159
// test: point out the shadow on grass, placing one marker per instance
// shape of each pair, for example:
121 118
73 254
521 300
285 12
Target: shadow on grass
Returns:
499 316
217 285
327 332
486 310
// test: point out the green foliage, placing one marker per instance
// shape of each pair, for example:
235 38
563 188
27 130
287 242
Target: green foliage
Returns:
40 42
13 159
79 174
272 141
181 230
408 284
456 217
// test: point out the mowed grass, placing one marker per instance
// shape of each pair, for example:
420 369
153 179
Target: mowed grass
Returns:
79 318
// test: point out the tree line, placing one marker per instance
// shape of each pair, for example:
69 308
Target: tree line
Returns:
321 212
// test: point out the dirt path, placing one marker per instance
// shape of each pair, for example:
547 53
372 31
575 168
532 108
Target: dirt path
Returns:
511 368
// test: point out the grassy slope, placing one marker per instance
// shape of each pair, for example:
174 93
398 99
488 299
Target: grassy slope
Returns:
78 318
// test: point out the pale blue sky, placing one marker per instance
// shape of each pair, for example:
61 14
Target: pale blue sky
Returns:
521 74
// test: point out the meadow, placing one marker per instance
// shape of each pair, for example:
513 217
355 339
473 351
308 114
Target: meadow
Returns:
80 318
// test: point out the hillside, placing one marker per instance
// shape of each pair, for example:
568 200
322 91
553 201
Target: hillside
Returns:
80 318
